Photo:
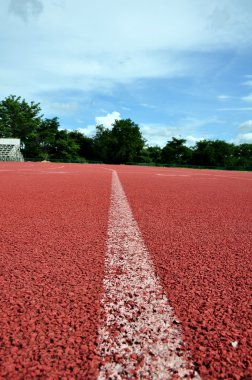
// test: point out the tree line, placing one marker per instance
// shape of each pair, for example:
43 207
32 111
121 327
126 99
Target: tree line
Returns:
43 139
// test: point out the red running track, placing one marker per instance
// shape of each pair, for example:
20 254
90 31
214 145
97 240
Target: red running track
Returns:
197 226
53 230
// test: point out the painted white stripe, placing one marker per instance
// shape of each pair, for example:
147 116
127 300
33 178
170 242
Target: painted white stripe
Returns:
140 336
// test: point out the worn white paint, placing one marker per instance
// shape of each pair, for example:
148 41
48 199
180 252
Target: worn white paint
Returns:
140 336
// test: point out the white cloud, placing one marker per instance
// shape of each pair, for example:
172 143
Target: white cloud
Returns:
191 140
223 98
246 126
247 98
248 83
146 105
124 108
108 120
63 107
88 131
154 134
243 138
158 134
235 109
246 137
248 80
187 128
91 46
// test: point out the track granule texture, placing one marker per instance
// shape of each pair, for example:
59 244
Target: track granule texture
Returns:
197 226
53 230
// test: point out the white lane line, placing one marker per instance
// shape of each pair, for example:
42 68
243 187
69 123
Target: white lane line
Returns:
140 336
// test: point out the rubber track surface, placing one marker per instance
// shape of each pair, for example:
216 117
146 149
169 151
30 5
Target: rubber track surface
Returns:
53 230
197 226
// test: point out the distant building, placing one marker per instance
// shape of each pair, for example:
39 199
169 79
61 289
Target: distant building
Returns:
10 150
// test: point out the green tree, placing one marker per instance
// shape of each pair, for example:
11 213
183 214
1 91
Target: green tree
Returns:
122 144
213 153
86 145
203 154
19 119
103 144
65 148
143 156
223 153
127 141
175 152
155 154
46 135
243 155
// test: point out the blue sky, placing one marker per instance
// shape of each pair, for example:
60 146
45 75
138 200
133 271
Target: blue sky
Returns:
177 68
